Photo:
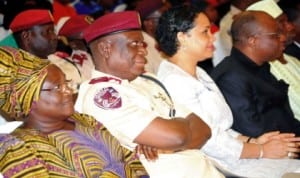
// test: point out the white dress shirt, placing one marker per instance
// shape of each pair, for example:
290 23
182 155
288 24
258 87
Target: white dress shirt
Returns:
202 96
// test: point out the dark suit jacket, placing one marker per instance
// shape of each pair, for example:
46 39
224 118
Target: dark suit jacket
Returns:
259 102
293 50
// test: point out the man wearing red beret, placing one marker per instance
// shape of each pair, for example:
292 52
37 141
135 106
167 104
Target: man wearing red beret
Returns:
135 107
38 24
33 31
70 31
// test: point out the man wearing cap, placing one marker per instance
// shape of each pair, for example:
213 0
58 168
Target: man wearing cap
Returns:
258 101
136 108
33 31
285 67
70 30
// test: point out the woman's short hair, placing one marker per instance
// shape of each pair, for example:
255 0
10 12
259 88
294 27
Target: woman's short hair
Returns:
177 19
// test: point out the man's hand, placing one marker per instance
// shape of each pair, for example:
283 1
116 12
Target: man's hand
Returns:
150 153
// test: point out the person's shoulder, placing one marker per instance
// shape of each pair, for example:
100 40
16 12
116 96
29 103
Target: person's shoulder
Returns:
150 74
15 153
20 139
168 69
229 70
86 120
8 141
223 67
105 80
99 78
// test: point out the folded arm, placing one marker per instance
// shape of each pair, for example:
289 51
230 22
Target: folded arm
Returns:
175 134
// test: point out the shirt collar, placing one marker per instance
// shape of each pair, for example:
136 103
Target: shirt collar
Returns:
245 60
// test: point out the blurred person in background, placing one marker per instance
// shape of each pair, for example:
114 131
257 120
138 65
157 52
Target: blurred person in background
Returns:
70 31
150 12
88 7
62 8
292 10
34 32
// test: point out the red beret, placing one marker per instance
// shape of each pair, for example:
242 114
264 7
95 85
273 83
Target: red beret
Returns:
29 18
146 7
112 23
75 24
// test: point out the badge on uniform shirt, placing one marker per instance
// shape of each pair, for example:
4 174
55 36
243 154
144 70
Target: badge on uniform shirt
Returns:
108 98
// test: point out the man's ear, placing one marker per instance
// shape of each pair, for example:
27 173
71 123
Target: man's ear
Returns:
26 39
252 41
104 47
25 34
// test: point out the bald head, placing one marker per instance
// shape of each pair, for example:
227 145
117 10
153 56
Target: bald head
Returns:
258 36
249 23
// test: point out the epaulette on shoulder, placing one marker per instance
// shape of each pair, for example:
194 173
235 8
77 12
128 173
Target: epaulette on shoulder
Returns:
62 54
105 79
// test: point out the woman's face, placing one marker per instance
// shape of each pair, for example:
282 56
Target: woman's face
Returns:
56 99
199 40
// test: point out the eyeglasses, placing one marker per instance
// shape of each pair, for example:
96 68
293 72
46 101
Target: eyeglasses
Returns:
135 44
67 85
276 35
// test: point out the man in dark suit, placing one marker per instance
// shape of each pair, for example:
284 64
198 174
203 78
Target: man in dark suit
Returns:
259 101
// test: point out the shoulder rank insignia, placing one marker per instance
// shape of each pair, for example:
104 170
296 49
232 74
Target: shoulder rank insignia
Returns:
108 98
104 79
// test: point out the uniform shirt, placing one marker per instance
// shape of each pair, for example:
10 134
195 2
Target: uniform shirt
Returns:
290 73
84 63
203 97
127 108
